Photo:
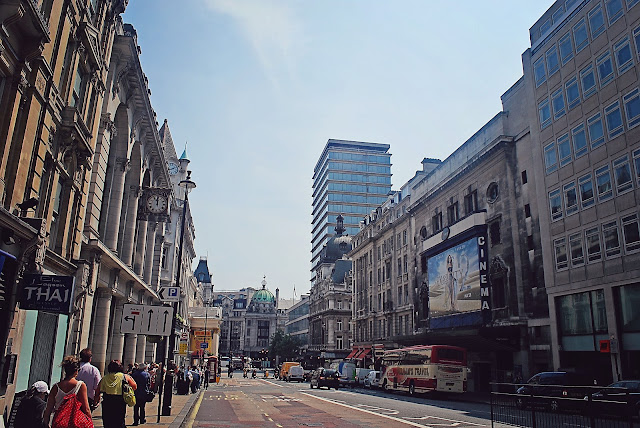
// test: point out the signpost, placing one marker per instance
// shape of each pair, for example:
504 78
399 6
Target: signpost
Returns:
169 294
50 293
147 319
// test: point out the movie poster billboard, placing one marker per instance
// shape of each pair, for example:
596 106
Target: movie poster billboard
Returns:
454 279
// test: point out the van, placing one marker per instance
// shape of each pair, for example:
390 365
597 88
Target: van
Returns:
347 372
554 390
361 374
296 373
372 380
284 370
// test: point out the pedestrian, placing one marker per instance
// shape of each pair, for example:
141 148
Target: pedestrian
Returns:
68 385
230 371
114 409
143 380
195 382
90 375
31 410
207 373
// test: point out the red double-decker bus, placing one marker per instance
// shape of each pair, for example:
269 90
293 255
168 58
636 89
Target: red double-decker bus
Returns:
424 368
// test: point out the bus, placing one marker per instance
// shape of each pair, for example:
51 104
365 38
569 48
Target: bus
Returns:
425 368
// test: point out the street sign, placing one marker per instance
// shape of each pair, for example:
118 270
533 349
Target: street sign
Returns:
182 350
204 345
147 319
184 336
169 294
51 293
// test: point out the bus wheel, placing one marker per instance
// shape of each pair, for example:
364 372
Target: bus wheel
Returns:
412 389
385 386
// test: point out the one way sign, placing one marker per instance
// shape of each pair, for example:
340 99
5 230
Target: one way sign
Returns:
169 294
146 319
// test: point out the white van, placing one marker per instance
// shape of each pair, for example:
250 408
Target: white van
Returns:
372 380
360 375
296 373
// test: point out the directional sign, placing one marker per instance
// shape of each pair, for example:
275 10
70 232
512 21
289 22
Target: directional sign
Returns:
169 294
146 319
204 345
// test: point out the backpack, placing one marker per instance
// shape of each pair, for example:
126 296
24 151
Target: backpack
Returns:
69 414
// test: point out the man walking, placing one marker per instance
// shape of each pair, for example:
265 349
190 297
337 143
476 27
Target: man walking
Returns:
90 375
143 380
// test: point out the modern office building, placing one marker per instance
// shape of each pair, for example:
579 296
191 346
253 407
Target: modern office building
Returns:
350 179
582 71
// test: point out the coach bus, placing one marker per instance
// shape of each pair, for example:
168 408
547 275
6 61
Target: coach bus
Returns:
425 368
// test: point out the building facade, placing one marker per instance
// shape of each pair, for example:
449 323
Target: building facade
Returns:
297 324
350 179
582 74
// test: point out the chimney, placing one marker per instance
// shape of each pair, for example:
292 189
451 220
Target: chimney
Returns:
277 297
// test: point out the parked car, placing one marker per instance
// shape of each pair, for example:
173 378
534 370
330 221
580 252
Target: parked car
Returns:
621 398
325 377
554 390
372 379
296 373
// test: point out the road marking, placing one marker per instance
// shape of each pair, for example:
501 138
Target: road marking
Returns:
404 421
446 419
271 383
194 411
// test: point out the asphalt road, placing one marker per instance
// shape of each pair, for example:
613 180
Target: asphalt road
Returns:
240 402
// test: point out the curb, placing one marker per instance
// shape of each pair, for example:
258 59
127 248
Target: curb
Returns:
178 422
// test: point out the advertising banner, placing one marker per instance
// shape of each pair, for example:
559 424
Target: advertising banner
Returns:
454 279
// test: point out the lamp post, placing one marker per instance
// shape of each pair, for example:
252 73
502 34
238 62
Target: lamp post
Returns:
187 184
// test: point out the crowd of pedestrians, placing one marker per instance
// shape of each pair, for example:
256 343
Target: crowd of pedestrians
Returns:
82 389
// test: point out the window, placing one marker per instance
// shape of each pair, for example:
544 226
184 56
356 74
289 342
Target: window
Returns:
494 233
596 132
576 250
404 237
622 174
553 64
545 114
557 15
622 52
539 72
603 183
636 165
399 266
550 158
596 21
555 204
339 324
570 198
405 261
605 69
631 3
614 120
573 92
566 48
611 239
564 149
471 202
436 222
560 247
452 213
339 342
631 233
632 108
527 210
585 185
55 216
163 257
545 27
76 95
588 81
580 35
592 238
614 10
579 141
524 176
557 100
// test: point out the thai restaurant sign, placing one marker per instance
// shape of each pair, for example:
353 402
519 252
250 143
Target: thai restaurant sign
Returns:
49 293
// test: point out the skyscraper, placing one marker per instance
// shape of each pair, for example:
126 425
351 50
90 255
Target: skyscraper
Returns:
350 179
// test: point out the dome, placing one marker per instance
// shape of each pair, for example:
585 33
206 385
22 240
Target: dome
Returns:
263 295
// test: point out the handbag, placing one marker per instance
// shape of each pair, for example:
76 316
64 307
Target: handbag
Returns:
69 414
127 392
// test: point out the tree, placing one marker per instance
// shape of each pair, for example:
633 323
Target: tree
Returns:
284 346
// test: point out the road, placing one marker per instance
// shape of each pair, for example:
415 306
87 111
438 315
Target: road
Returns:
259 403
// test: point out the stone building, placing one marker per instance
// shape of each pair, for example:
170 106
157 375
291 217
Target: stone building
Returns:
55 58
582 75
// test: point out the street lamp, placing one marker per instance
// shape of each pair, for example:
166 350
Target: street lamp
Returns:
187 184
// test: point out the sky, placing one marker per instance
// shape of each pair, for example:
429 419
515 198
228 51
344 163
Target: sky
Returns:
257 87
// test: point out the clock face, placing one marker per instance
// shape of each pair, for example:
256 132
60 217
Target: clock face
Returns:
173 168
157 204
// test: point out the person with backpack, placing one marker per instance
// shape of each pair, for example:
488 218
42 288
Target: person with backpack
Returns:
31 410
114 408
68 399
143 391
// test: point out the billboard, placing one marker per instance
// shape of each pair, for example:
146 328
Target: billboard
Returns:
454 277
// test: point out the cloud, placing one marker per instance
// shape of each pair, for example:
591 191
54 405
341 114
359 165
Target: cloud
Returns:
272 29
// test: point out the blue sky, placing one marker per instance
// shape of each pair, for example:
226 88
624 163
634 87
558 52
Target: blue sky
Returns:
257 87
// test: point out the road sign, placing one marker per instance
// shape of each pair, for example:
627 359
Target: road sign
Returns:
183 349
204 345
147 319
169 294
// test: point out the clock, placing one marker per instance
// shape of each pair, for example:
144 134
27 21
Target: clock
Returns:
445 233
173 168
157 204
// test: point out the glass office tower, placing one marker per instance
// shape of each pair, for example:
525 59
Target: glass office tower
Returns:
350 179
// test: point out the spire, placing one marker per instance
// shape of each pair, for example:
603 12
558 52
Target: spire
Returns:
340 225
184 156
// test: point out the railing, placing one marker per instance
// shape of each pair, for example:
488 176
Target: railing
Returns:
551 406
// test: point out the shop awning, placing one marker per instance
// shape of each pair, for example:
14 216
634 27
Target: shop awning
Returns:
361 355
352 353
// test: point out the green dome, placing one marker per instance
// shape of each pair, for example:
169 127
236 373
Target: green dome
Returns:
263 296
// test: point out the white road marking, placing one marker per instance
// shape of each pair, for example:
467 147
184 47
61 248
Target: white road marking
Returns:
271 383
446 419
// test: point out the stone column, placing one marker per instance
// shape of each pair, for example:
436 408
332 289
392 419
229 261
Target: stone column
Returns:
115 203
117 337
149 248
130 225
101 328
141 349
150 353
141 240
130 340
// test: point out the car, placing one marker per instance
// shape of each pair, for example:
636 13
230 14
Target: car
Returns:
554 390
372 379
621 398
325 377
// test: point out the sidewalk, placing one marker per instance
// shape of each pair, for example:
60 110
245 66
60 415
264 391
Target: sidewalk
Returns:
180 407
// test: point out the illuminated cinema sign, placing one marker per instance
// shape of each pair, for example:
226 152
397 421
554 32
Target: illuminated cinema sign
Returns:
485 294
